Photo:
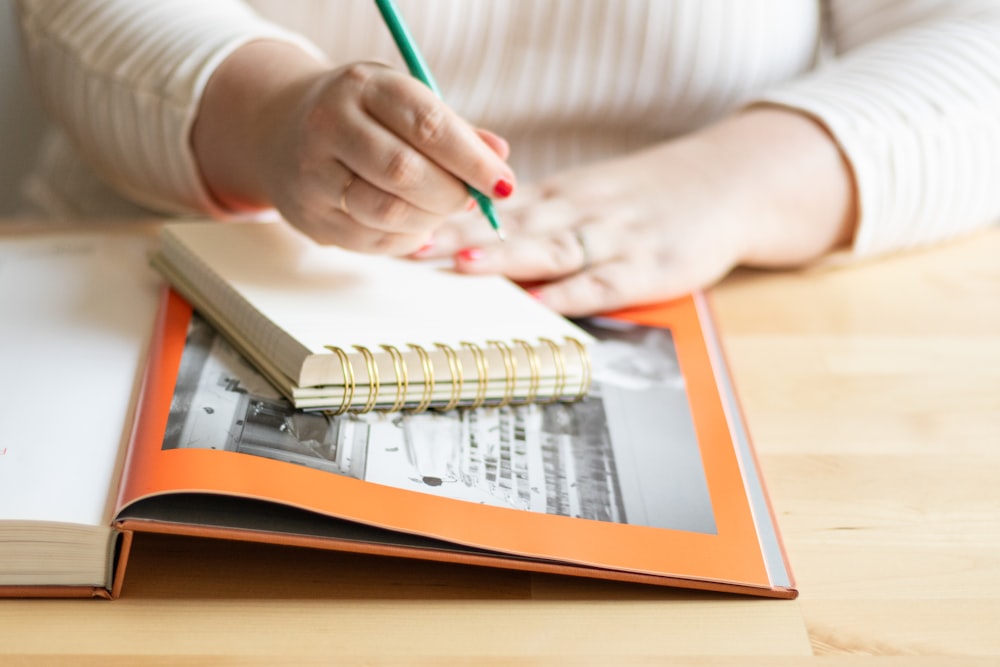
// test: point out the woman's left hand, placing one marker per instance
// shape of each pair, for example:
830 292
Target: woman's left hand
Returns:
767 188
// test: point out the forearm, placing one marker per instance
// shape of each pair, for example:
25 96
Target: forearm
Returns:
242 102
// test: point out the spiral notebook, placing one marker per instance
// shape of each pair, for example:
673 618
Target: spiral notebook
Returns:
342 331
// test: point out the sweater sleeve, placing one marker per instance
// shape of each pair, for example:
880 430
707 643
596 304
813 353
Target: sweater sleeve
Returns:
913 99
124 78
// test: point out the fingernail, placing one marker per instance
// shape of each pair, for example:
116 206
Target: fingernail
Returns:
503 188
534 293
422 250
469 254
471 204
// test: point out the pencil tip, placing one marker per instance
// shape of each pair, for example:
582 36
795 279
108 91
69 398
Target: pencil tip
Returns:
486 206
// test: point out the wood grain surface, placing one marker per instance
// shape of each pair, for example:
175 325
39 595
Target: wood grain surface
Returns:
872 393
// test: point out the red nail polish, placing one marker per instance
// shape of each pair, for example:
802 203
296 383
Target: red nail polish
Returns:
422 250
503 188
469 254
471 204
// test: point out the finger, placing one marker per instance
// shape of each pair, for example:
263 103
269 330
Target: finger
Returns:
374 209
554 255
418 117
382 159
527 214
327 197
604 288
339 229
629 281
353 138
356 215
468 229
496 142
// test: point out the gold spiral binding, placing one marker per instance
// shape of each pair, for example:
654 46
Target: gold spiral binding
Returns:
456 372
455 368
510 371
534 367
428 368
373 379
349 382
586 369
560 363
402 377
482 373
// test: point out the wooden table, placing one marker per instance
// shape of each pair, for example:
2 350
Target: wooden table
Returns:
873 395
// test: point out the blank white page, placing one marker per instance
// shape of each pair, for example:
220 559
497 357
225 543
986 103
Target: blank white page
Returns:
324 295
76 314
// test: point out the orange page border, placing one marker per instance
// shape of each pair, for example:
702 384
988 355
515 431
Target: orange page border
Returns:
733 554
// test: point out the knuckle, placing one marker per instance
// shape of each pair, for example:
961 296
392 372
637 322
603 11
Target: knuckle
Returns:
359 73
404 169
350 82
564 251
430 124
391 212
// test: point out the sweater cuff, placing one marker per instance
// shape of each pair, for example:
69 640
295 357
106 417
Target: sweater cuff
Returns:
125 81
915 115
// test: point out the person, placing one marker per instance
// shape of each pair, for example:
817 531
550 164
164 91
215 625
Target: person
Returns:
637 150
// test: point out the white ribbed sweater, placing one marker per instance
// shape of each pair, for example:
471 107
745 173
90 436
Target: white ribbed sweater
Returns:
912 96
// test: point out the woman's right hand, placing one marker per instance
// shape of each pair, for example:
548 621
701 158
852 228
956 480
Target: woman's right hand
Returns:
363 156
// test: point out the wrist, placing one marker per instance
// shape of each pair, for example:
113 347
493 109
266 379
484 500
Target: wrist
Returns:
248 99
792 189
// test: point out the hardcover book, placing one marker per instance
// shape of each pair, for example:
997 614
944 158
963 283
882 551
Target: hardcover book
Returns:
651 477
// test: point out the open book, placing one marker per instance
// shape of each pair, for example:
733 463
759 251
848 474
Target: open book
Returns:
341 331
650 478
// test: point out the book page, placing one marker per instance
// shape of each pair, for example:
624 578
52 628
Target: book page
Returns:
76 312
558 458
291 298
641 476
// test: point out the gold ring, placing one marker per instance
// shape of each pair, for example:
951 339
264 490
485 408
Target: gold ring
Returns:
343 194
585 253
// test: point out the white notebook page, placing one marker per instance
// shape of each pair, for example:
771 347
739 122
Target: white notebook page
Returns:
328 296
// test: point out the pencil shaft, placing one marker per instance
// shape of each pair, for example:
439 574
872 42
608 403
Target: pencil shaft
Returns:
419 70
406 45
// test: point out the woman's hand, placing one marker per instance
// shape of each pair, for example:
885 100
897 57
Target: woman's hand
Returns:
363 156
765 188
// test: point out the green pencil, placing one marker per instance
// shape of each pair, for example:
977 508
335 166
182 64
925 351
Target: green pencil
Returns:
418 68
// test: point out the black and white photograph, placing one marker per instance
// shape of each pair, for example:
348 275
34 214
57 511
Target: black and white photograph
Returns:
627 453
